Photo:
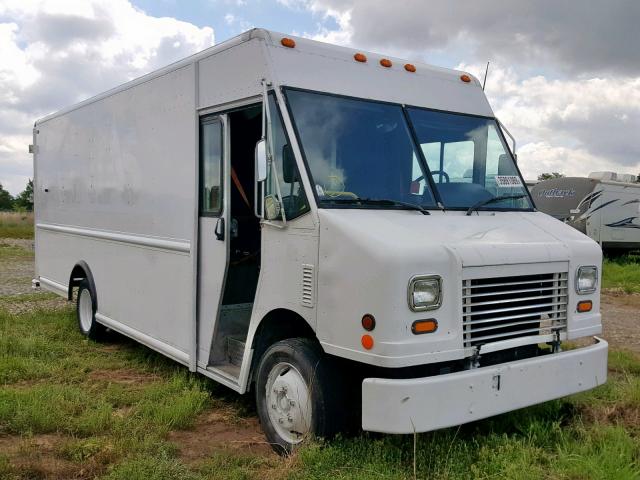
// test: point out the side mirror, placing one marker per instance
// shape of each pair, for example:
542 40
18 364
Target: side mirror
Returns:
261 160
288 164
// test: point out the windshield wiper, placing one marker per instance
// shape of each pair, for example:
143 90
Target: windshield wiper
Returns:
482 203
379 201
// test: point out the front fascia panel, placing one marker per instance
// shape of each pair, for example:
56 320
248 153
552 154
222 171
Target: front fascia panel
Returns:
368 256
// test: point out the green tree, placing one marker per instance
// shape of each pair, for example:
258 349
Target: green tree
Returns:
24 201
547 176
6 200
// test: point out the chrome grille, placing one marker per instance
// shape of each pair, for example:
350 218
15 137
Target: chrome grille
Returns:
503 308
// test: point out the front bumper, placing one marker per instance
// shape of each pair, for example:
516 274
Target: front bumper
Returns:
424 404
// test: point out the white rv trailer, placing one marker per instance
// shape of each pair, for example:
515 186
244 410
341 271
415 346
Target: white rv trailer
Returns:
605 206
343 233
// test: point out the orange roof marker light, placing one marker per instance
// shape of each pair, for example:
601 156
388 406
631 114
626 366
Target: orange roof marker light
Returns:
465 78
385 62
367 342
409 67
360 57
288 42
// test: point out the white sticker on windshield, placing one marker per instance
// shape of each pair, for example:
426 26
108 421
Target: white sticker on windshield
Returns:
506 181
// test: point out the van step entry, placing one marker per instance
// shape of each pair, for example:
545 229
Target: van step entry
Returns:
235 349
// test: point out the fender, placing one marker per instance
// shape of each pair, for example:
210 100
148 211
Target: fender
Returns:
79 272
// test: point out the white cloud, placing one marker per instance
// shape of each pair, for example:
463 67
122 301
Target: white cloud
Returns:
54 53
342 35
572 126
535 158
592 36
295 4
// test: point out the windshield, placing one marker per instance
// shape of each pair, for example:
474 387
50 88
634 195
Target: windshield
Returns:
468 160
360 152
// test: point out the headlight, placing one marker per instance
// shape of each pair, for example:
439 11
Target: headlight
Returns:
586 279
425 292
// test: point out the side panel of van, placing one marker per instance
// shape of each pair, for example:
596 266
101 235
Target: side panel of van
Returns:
115 189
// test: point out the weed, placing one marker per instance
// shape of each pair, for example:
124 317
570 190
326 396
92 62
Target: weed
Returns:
16 225
622 273
152 468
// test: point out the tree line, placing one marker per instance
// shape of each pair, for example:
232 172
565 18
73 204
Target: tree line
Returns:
21 202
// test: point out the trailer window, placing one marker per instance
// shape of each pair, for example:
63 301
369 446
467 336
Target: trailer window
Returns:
211 167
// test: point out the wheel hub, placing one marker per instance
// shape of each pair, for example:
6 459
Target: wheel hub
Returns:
85 310
288 402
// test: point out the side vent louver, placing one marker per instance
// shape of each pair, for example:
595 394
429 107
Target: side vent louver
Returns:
307 285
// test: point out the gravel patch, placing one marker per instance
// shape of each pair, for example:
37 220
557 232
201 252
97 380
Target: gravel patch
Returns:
621 319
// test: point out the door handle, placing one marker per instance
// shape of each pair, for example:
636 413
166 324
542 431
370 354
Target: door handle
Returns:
219 230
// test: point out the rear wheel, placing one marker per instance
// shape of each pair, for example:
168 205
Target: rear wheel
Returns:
294 394
86 312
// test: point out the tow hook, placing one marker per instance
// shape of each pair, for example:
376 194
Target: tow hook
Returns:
556 346
474 360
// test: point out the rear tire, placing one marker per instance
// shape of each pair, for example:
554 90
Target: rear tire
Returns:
295 395
86 312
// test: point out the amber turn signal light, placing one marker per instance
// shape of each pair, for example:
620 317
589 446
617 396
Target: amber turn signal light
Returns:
368 322
424 326
584 306
367 341
465 78
385 62
360 57
410 68
288 42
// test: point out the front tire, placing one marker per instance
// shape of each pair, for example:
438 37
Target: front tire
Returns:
294 394
86 312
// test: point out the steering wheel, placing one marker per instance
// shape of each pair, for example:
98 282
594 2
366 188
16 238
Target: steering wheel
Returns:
442 173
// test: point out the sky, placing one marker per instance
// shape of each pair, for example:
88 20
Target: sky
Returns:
564 75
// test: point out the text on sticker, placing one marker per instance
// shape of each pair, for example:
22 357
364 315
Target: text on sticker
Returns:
505 181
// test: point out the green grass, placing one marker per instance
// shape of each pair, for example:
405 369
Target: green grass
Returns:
540 442
16 225
10 252
55 382
48 384
622 273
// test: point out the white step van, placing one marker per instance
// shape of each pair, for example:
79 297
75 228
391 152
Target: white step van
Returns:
345 234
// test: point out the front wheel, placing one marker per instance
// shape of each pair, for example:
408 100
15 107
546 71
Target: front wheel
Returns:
293 394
